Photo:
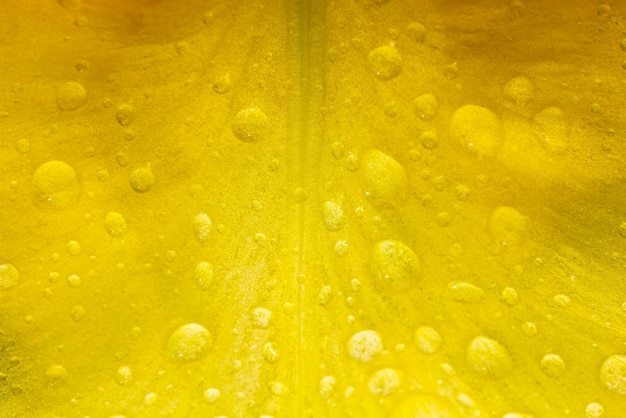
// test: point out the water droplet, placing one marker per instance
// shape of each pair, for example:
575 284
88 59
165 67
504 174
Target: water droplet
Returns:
222 84
489 357
341 248
338 150
125 115
203 274
188 342
477 129
73 281
299 195
279 389
384 180
201 226
384 382
141 179
510 296
56 374
250 125
115 224
429 139
332 214
552 365
416 31
508 227
465 292
426 106
519 90
395 264
613 373
261 317
427 339
78 313
385 62
150 398
529 329
622 229
74 248
594 410
71 96
22 145
211 395
9 276
327 386
352 162
364 345
55 185
270 352
124 376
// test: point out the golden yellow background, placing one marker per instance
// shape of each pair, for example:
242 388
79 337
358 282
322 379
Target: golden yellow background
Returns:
359 208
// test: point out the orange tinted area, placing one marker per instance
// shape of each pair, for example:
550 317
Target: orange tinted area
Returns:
312 209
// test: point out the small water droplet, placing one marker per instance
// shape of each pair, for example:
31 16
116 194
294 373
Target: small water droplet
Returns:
465 292
125 115
115 224
519 90
385 62
508 227
477 129
395 264
489 357
384 180
188 342
55 185
201 226
327 386
613 373
204 275
594 410
261 317
384 382
270 352
9 276
250 125
333 216
427 339
426 106
78 313
552 365
74 248
124 376
141 179
510 296
211 395
365 345
71 96
222 84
